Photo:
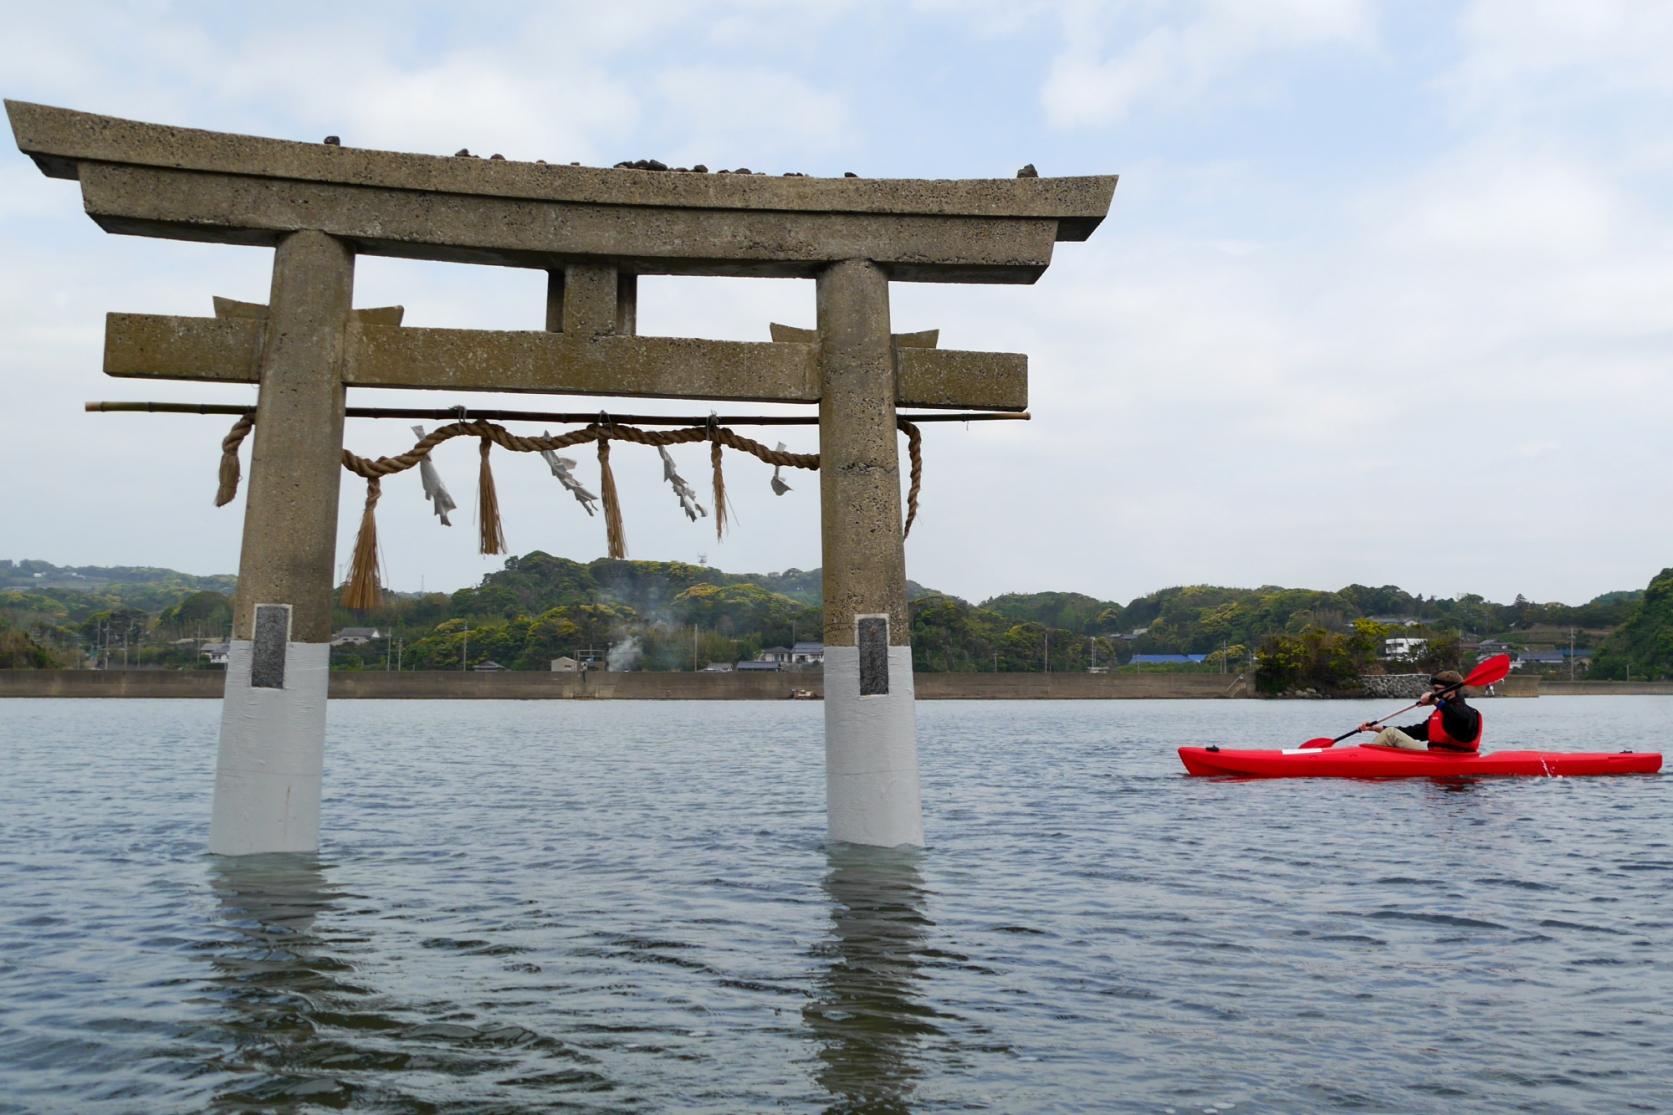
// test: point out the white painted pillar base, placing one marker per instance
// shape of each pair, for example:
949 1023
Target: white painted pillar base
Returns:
871 753
272 755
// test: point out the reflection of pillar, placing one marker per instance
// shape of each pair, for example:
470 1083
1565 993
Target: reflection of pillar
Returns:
865 1014
272 752
871 749
274 980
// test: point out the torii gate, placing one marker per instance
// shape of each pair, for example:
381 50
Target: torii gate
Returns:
593 231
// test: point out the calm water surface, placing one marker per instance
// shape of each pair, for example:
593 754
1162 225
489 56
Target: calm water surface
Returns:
534 906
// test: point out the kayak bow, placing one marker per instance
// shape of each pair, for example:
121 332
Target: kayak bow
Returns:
1392 762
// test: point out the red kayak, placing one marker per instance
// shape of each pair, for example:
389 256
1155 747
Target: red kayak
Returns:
1393 762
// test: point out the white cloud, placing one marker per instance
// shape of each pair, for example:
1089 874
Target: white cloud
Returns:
720 109
1179 59
1520 55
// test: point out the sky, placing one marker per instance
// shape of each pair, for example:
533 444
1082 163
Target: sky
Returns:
1385 295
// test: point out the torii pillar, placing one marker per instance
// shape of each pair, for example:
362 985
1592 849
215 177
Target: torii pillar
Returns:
871 750
593 231
271 760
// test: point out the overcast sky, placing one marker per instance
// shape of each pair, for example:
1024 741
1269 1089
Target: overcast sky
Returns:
1385 294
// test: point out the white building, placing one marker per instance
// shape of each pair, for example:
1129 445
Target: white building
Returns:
1403 649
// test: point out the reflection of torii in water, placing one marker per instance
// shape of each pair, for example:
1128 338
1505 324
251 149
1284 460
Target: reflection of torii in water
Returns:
867 1014
301 1029
593 232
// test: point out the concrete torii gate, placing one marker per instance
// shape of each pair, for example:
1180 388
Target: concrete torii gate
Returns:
593 231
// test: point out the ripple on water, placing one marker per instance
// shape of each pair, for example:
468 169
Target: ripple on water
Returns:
530 906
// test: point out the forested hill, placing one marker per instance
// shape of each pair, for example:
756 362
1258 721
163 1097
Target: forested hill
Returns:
540 606
136 585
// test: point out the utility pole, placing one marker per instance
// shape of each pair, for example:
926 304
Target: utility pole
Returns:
465 652
1571 653
1048 651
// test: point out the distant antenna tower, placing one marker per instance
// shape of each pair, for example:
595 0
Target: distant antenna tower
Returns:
702 559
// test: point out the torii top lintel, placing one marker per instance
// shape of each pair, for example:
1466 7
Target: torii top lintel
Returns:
185 183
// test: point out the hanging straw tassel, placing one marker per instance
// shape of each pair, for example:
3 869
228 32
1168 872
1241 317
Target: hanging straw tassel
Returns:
362 590
915 453
721 509
229 459
612 503
488 507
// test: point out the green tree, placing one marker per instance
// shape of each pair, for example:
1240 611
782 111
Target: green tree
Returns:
1642 647
1313 659
20 651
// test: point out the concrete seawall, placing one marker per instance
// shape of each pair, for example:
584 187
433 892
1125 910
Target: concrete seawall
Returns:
1554 688
636 686
459 685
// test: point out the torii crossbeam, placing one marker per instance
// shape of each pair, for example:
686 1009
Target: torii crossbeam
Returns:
593 231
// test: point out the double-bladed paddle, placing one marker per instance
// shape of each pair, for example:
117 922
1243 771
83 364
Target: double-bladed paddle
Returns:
1486 672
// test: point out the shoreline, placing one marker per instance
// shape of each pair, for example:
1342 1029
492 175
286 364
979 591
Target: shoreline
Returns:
646 686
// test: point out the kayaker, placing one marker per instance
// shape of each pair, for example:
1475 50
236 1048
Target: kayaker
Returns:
1453 726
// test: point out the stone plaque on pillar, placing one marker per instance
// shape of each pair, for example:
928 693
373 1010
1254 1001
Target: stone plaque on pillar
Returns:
872 635
267 651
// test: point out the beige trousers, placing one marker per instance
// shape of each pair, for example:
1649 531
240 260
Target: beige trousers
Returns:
1394 737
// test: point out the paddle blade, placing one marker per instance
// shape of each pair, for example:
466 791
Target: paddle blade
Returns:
1489 670
1321 742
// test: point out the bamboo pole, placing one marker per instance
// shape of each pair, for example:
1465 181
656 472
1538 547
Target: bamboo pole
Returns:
464 413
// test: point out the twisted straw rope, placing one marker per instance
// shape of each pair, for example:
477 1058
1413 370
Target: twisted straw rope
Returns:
505 439
376 468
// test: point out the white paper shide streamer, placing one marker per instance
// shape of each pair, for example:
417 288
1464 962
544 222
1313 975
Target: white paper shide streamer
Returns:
562 468
688 498
777 482
434 490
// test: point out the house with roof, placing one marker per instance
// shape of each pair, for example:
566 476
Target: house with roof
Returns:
1168 659
563 664
757 667
355 636
1402 649
807 654
216 653
781 655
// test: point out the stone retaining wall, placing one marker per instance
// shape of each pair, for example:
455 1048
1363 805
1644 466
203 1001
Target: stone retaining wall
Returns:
1407 686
